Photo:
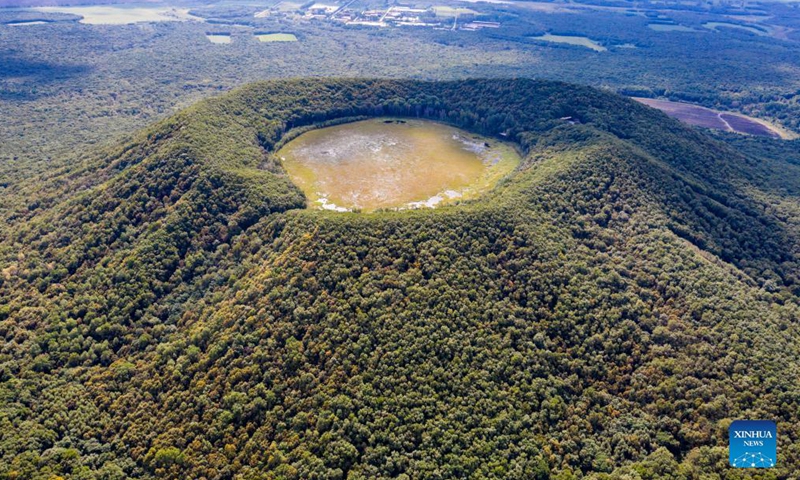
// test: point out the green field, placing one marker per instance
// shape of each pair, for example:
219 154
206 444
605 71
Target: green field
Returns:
667 27
445 11
218 38
276 37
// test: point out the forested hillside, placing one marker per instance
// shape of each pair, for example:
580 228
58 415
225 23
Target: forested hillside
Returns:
169 308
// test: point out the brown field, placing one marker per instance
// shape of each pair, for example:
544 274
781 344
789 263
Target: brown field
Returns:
708 118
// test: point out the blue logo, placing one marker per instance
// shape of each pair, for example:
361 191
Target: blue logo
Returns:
752 444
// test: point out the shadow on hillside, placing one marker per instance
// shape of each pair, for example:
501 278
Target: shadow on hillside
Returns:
23 79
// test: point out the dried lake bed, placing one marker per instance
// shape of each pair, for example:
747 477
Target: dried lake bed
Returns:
394 164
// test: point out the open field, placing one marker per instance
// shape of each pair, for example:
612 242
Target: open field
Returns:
220 38
572 40
669 27
288 6
121 15
444 11
276 37
708 118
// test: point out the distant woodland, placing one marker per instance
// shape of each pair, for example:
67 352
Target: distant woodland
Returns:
66 85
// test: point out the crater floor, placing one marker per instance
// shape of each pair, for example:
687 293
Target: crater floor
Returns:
394 163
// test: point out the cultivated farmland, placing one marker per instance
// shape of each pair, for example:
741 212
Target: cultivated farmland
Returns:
708 118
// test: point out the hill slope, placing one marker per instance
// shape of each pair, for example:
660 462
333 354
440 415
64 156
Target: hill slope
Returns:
170 310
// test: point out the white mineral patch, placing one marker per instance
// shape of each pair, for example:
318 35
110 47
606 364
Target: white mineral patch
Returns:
331 206
470 145
429 203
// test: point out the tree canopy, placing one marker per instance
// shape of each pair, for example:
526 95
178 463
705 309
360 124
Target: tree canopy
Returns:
169 308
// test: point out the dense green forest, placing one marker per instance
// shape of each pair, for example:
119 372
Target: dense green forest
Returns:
170 309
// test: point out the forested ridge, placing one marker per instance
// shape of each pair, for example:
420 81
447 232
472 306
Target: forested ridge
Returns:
170 309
